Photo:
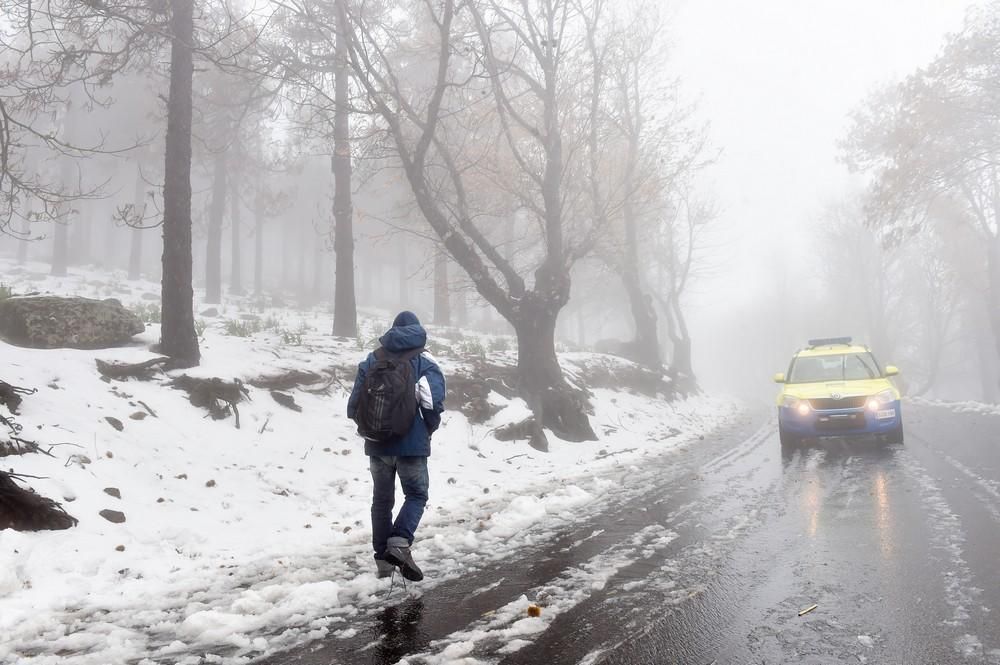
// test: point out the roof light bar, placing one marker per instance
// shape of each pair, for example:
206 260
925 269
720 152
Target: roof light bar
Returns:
831 341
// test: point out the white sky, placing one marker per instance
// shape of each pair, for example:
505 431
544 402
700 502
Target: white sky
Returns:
776 80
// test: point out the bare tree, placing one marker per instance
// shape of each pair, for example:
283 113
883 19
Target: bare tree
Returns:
178 337
65 46
655 151
442 290
345 309
932 141
442 133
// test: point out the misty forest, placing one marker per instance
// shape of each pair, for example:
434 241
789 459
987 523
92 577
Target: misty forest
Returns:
583 236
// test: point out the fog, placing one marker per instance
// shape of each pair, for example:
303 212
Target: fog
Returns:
777 84
755 142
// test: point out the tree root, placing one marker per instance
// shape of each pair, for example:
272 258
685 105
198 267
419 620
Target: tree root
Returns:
218 396
143 371
22 509
525 430
10 396
565 410
319 382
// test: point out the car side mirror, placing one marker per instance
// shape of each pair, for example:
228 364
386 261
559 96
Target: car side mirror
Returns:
779 378
891 370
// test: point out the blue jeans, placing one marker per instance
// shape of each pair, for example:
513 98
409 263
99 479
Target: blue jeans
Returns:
415 481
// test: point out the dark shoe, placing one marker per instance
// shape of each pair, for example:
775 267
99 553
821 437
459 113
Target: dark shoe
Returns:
399 555
383 568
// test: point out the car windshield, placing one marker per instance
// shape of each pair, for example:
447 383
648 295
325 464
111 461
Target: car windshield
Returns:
839 367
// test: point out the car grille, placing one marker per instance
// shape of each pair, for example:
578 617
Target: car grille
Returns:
829 403
847 421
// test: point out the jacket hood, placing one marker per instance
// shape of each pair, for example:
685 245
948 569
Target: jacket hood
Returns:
405 318
403 338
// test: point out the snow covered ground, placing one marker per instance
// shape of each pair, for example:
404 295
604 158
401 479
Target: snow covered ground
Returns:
242 542
981 408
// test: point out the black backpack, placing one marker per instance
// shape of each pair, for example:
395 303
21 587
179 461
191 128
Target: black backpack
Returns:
388 402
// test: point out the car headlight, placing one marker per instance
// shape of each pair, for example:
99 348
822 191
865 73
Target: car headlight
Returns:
800 406
881 400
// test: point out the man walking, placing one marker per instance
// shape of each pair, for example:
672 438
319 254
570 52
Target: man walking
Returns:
397 401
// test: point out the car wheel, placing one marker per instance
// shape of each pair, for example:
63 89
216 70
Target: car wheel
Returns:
788 440
895 435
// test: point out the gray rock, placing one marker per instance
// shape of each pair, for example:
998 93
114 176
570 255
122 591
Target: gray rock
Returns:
113 491
51 322
114 422
210 312
113 516
150 296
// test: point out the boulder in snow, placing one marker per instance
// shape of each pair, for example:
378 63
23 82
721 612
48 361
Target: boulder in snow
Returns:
50 322
113 516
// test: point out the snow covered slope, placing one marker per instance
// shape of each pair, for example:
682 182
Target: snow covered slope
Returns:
240 542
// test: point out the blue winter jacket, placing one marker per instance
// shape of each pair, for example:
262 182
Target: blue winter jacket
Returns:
417 443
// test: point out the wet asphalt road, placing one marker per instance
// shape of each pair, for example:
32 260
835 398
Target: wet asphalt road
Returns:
898 546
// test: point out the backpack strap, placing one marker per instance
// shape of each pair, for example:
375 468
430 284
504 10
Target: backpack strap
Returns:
411 354
382 354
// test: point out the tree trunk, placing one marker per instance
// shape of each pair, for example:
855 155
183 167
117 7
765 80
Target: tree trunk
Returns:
345 308
680 340
442 292
235 252
461 308
993 268
213 246
60 239
646 345
985 351
287 233
135 245
555 404
178 337
60 249
317 286
302 256
25 234
258 245
78 236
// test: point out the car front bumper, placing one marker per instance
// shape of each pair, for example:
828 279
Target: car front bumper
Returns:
841 422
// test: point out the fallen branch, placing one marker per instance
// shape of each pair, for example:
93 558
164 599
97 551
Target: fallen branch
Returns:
121 371
285 381
617 452
18 446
